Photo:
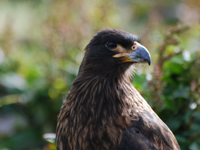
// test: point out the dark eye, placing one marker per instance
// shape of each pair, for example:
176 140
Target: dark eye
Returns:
111 45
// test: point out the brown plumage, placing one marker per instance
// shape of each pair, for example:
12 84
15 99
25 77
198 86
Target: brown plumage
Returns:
103 111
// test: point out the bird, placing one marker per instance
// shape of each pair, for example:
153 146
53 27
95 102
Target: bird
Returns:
103 110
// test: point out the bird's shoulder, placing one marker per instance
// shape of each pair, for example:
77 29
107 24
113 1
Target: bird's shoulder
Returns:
146 131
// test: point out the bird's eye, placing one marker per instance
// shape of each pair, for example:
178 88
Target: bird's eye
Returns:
111 45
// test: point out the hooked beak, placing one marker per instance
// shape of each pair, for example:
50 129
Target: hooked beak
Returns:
139 54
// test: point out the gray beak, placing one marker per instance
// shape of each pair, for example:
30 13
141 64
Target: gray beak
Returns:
140 55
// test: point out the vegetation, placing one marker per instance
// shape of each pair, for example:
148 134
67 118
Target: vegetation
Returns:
41 48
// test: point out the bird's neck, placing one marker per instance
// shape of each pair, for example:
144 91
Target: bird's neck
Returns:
101 94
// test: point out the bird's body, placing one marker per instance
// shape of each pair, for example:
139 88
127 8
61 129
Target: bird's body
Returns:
103 111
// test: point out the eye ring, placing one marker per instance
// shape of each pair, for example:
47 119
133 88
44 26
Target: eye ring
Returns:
111 45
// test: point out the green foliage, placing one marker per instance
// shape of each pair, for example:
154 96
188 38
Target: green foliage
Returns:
173 94
41 48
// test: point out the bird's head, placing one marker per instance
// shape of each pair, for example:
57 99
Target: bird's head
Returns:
112 49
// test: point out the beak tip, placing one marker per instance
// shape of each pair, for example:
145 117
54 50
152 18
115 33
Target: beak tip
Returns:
147 58
149 61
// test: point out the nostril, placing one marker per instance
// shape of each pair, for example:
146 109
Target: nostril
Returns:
134 47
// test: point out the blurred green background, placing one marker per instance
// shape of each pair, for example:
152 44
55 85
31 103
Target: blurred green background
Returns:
41 48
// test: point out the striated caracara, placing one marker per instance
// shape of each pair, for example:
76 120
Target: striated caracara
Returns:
103 111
